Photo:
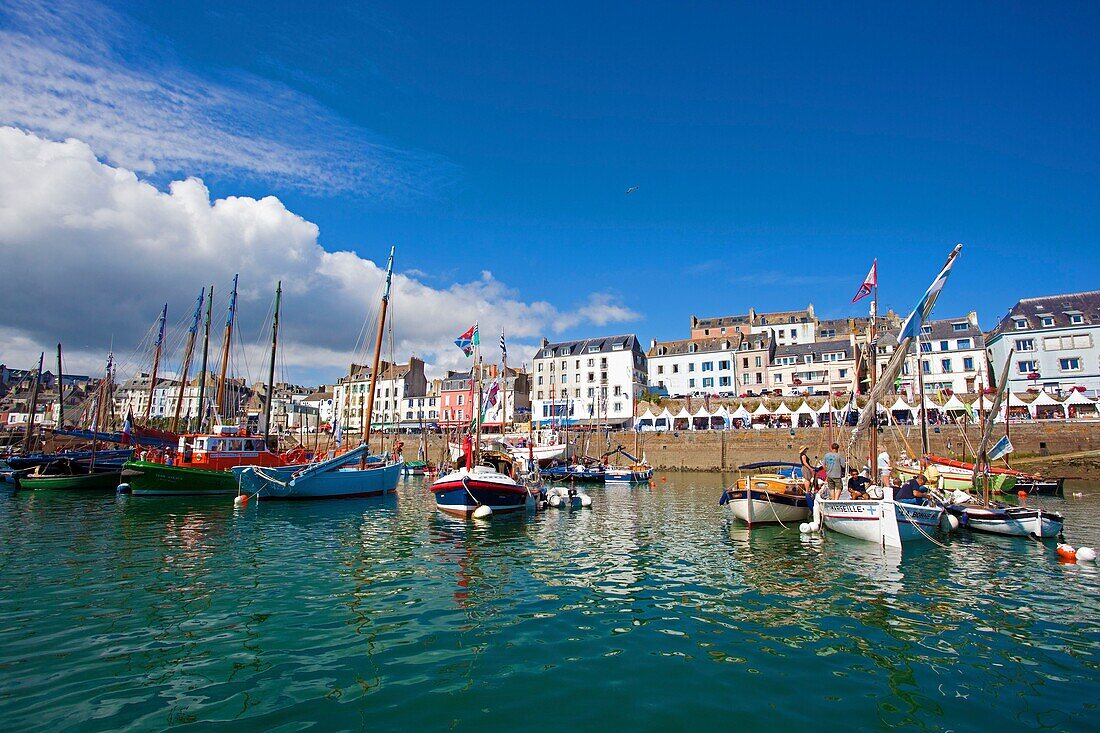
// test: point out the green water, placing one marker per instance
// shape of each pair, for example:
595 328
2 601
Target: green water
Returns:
651 612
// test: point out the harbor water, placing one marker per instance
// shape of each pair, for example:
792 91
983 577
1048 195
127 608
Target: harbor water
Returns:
652 611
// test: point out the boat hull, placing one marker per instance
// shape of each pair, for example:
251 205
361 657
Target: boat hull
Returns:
100 481
874 520
113 458
342 483
156 479
957 479
766 507
461 493
627 475
1009 521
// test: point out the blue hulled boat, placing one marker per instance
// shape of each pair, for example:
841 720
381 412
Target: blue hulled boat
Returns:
353 474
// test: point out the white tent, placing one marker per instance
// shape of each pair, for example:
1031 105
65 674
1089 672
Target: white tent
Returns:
782 409
720 418
1082 406
1045 400
954 405
741 414
804 409
682 418
701 419
900 405
761 410
986 404
826 406
644 421
663 421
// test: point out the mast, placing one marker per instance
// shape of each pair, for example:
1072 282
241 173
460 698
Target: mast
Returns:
923 409
192 334
226 342
504 385
156 364
60 391
205 353
981 461
271 367
34 405
378 350
873 366
477 414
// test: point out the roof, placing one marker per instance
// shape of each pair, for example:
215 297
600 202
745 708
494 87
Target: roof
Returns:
757 319
1058 307
603 345
702 346
817 349
386 370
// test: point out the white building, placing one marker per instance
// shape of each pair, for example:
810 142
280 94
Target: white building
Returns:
395 383
814 368
593 380
1055 343
694 367
952 357
323 402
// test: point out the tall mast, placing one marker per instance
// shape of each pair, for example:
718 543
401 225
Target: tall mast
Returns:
872 349
923 409
504 385
477 410
156 363
271 367
226 342
378 350
192 334
34 405
60 391
205 353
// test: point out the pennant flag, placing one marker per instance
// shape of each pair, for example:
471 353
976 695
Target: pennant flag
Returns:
869 283
127 427
911 327
1001 448
338 433
490 397
503 346
969 408
468 341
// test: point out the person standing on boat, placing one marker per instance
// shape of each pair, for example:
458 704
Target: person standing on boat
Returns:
930 472
834 471
809 473
884 468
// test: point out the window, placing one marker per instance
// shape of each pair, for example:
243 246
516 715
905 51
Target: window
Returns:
618 391
618 407
968 364
593 349
592 376
1073 364
945 365
778 378
564 365
745 363
1076 319
563 352
723 381
1077 341
564 378
945 346
460 399
540 381
1021 323
1025 344
708 381
745 379
759 377
926 329
723 365
956 327
843 373
828 333
660 368
925 366
691 382
691 366
905 368
925 347
617 347
808 359
461 414
591 391
708 366
1026 367
548 353
1047 321
675 368
759 363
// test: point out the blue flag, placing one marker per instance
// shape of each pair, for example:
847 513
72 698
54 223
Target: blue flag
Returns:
1001 448
920 314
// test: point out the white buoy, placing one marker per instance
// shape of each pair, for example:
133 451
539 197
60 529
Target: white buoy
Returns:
240 500
1086 553
555 500
804 528
586 500
949 522
815 526
123 488
483 512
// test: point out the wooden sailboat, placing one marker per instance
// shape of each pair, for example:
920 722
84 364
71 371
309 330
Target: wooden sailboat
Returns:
355 473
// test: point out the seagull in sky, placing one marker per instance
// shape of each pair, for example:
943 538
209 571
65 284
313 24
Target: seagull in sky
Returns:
632 189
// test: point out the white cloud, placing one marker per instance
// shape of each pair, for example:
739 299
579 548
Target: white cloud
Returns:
92 251
69 69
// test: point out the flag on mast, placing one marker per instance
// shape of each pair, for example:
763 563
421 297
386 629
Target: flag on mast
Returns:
503 345
1001 448
868 284
127 426
468 340
911 327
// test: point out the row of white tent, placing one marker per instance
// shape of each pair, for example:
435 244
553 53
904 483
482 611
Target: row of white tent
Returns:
1042 407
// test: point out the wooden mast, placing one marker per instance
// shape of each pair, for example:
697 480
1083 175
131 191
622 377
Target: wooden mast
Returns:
872 349
205 354
271 367
60 390
34 405
504 385
156 364
378 351
226 342
923 409
192 334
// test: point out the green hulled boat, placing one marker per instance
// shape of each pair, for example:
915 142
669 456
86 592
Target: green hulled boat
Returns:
146 478
95 481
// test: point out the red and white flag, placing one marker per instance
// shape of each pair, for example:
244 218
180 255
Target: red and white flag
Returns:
869 283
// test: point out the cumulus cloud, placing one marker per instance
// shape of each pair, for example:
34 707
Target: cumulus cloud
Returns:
92 251
83 70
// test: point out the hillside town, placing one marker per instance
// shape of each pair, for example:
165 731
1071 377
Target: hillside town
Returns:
769 363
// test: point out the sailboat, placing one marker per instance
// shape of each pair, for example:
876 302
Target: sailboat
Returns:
351 474
201 463
768 491
885 521
486 482
985 515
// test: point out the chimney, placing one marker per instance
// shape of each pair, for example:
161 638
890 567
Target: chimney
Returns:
544 343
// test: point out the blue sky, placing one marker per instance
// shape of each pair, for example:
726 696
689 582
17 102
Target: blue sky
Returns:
776 148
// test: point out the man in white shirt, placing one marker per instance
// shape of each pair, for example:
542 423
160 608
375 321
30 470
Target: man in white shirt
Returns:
884 469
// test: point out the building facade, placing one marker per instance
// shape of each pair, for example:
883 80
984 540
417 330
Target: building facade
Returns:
952 357
694 366
588 381
1054 340
395 383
